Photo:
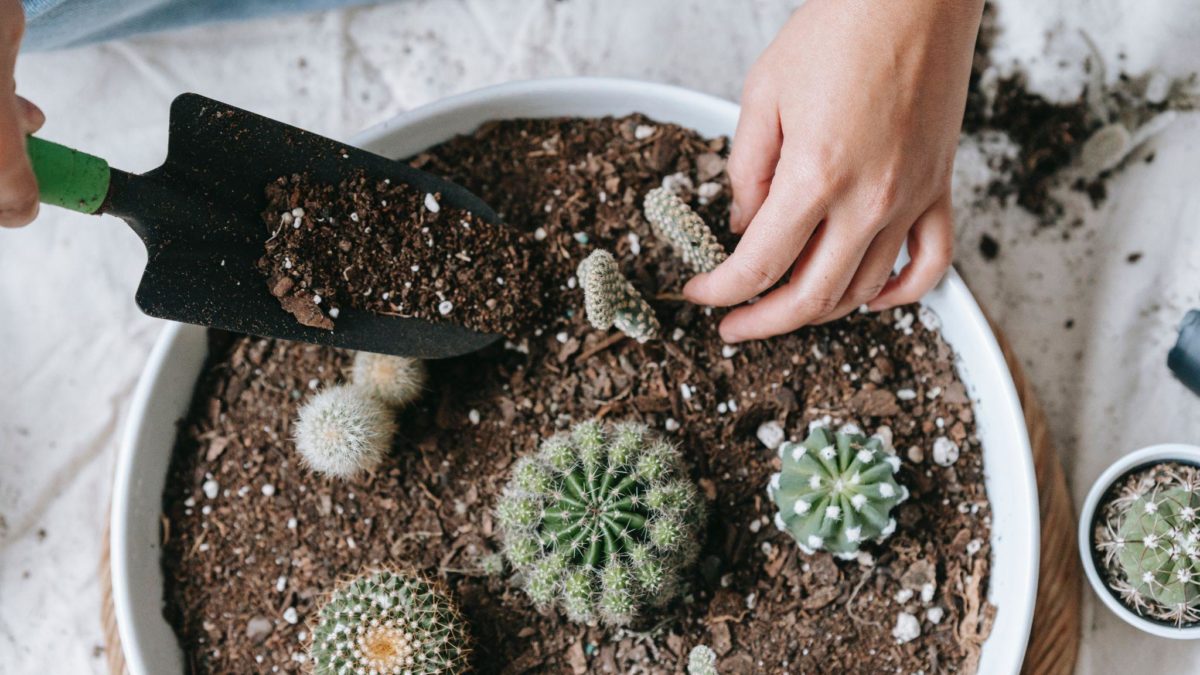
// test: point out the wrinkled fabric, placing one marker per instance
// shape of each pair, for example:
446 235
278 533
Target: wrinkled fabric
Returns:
1092 328
51 24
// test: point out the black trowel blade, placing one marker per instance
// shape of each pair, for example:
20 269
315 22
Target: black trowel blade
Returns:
199 215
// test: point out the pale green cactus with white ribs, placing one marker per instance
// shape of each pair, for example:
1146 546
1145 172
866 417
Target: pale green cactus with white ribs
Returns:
673 220
836 491
389 622
611 300
1150 538
601 521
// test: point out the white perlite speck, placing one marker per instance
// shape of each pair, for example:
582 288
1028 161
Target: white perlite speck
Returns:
906 394
904 595
431 203
280 584
291 523
333 312
445 307
935 614
539 234
927 591
211 489
974 545
945 451
473 416
643 131
770 434
907 629
635 244
268 490
671 424
677 335
728 351
290 616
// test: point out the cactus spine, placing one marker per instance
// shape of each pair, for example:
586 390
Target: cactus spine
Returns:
389 622
836 491
610 300
1150 538
343 431
674 221
601 521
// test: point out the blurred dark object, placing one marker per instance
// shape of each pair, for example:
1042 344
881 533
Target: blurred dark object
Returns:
1184 359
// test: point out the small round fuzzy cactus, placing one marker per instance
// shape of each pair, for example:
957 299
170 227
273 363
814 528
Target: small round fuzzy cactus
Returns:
836 491
611 300
395 380
676 222
601 521
702 660
389 623
1150 538
343 431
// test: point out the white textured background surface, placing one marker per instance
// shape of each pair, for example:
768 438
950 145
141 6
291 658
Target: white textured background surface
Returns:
72 343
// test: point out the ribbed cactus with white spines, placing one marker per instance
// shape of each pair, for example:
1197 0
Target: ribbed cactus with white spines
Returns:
389 623
343 431
610 300
1150 538
395 380
601 521
836 491
673 220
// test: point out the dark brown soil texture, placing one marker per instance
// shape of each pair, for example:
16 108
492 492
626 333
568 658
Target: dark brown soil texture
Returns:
378 246
240 560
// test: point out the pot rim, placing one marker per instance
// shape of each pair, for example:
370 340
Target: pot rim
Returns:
1143 457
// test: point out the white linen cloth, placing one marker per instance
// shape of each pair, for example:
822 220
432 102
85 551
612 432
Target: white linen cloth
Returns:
72 342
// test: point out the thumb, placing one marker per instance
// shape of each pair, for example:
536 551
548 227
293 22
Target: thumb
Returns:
18 187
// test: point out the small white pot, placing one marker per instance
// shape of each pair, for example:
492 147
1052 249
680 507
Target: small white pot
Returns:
170 376
1155 454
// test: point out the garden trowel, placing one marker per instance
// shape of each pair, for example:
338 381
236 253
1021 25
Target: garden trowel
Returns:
199 215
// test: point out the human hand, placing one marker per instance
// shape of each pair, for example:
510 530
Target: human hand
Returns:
18 119
844 150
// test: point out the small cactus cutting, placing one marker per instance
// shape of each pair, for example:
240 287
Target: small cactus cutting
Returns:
836 491
343 431
389 623
601 521
610 300
395 380
676 222
1150 538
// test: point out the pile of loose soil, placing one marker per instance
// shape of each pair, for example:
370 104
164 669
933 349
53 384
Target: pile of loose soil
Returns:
391 249
253 541
1049 135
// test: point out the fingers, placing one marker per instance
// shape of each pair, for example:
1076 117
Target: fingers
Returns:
873 272
18 187
765 254
755 153
931 249
30 116
821 278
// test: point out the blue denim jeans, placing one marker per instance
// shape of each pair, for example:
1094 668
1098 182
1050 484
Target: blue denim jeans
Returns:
51 24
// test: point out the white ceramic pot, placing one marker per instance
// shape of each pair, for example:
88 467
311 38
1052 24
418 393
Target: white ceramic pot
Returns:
165 388
1155 454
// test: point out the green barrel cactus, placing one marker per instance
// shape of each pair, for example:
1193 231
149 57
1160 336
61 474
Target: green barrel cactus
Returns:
674 221
601 521
836 491
610 300
389 622
1150 537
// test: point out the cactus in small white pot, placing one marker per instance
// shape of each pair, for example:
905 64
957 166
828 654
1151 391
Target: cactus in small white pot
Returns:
389 622
1149 535
836 491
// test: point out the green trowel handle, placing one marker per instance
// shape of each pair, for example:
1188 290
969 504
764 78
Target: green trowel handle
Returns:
68 178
